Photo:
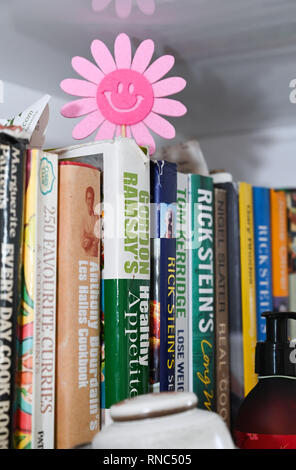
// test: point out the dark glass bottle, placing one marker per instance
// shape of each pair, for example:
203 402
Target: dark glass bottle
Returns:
267 416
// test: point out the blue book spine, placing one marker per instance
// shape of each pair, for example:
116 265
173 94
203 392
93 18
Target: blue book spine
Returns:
164 181
262 236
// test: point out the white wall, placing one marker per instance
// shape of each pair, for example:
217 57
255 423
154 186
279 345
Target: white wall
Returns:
266 158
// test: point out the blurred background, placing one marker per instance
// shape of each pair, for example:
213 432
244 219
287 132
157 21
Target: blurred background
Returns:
238 57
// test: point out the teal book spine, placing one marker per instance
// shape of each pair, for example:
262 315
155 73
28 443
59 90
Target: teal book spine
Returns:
202 290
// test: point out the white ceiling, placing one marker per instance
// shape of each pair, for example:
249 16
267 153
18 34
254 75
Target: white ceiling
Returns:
238 56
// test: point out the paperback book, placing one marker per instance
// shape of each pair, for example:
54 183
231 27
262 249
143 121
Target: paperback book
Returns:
234 299
164 188
279 250
35 407
182 285
202 292
12 185
78 329
263 261
248 284
221 308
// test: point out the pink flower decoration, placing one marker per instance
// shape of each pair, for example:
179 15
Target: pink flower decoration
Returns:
125 91
124 7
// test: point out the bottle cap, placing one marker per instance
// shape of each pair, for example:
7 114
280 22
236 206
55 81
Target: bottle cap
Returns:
275 355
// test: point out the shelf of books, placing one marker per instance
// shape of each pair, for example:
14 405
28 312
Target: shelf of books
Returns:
122 276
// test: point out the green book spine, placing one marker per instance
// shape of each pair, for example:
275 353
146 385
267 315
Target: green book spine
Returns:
126 271
202 290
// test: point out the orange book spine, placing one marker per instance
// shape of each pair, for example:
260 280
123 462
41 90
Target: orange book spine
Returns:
279 248
78 338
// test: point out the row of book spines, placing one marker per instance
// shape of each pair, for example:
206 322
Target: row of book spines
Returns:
264 265
271 251
25 180
34 412
41 387
194 301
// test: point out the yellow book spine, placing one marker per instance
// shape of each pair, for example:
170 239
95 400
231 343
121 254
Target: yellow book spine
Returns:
248 284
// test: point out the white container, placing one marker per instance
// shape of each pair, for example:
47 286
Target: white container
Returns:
163 421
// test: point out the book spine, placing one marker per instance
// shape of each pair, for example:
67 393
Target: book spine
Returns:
279 249
23 413
78 332
155 286
102 310
291 216
234 299
261 202
165 189
202 296
44 357
190 286
248 287
221 308
182 292
126 271
12 183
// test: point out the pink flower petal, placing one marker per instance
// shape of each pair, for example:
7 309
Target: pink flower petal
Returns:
87 70
123 8
106 131
169 107
75 87
147 6
160 126
88 125
99 5
79 108
143 56
123 52
102 56
143 136
168 86
159 68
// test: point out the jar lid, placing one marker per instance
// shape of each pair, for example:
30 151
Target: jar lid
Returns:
153 405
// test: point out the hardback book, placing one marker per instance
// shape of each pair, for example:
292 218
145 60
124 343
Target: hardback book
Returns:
263 262
279 250
164 188
124 374
182 285
222 359
78 309
126 270
248 284
202 290
35 407
234 299
12 184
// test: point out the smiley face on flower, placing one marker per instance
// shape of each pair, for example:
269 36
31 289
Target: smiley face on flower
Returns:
124 7
125 96
124 91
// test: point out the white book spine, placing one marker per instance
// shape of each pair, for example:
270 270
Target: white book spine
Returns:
43 406
182 290
190 326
